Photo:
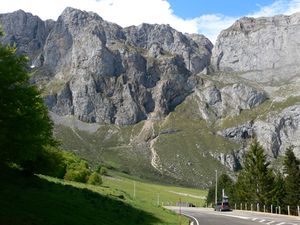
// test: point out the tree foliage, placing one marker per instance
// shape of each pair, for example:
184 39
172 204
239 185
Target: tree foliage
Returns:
224 182
95 179
25 127
292 179
256 181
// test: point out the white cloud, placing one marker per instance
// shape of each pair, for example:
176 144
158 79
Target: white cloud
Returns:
135 12
285 7
211 25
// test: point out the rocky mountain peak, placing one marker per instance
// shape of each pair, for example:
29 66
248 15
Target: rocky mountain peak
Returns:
28 32
193 49
78 17
266 44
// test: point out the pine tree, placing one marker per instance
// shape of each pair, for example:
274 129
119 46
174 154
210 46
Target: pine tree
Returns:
292 179
279 191
224 182
255 181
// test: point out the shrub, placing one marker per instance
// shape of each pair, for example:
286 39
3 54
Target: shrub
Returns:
95 179
77 171
103 171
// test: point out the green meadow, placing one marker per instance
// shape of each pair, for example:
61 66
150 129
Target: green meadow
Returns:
38 199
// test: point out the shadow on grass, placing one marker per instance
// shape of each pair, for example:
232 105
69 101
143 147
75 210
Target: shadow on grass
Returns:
35 201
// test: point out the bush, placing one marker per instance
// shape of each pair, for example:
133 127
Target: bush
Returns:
77 171
95 179
103 171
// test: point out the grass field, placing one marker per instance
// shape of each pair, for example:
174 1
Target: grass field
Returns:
30 200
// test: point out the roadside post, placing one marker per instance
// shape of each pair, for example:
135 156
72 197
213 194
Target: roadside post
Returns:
271 208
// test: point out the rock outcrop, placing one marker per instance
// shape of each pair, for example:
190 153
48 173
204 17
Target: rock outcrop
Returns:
217 103
27 32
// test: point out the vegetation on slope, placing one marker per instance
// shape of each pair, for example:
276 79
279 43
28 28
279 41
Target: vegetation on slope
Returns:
46 200
187 147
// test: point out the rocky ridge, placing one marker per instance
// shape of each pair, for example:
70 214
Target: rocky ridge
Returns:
100 72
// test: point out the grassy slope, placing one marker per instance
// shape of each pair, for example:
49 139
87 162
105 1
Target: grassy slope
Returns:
185 152
46 200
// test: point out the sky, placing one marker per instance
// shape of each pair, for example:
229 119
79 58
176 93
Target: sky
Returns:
206 17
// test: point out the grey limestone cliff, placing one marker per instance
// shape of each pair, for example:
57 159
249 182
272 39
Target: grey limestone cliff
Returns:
100 72
267 46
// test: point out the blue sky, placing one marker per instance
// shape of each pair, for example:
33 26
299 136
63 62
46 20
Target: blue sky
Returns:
206 17
188 9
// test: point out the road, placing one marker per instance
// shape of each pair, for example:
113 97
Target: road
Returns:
205 216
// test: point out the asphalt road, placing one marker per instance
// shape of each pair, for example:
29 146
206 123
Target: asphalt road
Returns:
205 216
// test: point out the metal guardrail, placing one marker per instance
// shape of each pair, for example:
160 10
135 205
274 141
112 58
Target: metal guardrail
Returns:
286 210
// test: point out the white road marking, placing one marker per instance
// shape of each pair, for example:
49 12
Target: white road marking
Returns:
234 216
261 221
281 223
270 222
254 219
191 217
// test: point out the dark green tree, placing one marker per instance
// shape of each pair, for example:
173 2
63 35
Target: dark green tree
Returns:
256 181
292 179
25 128
226 183
278 191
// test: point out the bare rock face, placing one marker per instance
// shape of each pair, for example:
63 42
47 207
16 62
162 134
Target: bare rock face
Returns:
26 31
192 48
268 46
229 100
280 131
100 72
276 133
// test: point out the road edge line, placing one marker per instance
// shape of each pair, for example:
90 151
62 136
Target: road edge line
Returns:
194 218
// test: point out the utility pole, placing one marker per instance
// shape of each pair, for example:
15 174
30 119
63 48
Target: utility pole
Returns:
216 191
133 189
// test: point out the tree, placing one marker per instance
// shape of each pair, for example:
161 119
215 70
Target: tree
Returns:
292 179
255 181
279 191
25 127
224 182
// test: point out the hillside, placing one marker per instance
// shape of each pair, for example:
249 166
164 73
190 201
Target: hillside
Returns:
46 200
161 105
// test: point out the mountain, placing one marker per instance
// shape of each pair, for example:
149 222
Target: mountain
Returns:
154 102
